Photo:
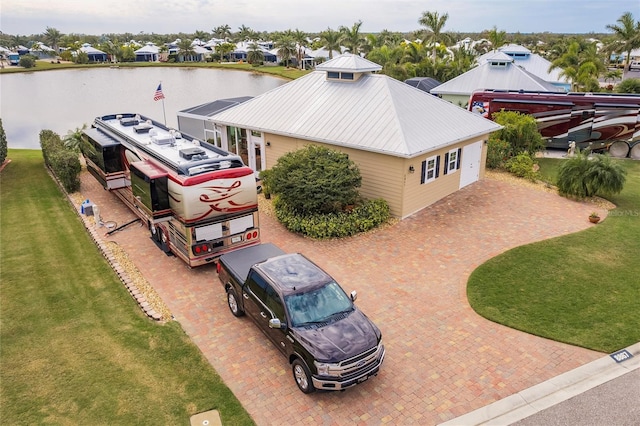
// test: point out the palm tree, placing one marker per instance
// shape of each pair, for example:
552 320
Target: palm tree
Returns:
52 37
224 49
301 39
330 40
244 33
286 48
222 32
351 38
186 49
434 24
497 38
414 52
581 65
255 55
627 35
73 140
201 35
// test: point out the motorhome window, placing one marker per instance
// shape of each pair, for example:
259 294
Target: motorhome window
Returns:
112 159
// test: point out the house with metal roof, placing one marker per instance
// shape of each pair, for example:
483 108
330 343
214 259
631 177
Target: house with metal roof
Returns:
533 63
497 72
412 148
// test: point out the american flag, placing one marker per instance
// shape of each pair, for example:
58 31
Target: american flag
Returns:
158 95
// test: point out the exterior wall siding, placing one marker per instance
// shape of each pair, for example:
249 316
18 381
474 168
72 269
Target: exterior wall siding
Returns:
388 177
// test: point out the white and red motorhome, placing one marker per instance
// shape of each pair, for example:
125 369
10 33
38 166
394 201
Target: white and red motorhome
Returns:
592 120
197 200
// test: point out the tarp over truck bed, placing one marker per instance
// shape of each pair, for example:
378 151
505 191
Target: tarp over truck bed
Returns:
239 262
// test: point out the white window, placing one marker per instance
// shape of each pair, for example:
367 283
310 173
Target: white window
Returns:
430 169
452 161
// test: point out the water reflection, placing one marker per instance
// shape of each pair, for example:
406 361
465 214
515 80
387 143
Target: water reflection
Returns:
66 99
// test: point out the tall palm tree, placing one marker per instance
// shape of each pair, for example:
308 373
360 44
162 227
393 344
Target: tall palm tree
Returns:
351 38
301 39
201 35
52 37
186 49
330 40
286 46
497 38
224 49
222 32
255 55
434 35
627 35
580 64
244 33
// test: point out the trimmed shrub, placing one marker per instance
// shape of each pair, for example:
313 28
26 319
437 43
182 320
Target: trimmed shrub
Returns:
498 152
3 143
522 166
27 61
315 179
364 217
63 162
66 166
50 142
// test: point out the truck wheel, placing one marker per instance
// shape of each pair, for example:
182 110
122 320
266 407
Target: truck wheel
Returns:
302 376
232 301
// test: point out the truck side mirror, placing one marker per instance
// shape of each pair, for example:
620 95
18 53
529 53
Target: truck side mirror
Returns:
276 323
354 295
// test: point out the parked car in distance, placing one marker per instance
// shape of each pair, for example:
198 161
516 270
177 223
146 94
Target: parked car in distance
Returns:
634 65
329 343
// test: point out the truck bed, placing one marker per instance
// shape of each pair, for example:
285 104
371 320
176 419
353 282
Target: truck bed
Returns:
238 262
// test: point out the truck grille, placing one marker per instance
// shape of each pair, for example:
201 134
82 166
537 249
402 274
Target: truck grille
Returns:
363 361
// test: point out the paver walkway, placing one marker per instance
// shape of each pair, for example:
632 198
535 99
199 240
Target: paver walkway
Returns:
443 360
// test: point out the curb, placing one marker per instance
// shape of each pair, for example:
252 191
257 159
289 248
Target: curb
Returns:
551 392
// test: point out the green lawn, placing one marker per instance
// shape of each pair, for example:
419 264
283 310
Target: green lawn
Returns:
75 347
582 289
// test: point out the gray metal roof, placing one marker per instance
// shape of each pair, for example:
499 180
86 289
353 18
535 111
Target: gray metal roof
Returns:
375 113
212 108
349 62
533 63
489 76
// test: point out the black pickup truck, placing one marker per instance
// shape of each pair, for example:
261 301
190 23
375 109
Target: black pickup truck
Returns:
329 343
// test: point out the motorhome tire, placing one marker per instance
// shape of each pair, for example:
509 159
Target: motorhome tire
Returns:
619 149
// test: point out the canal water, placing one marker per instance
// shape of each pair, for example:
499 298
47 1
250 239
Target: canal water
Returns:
67 99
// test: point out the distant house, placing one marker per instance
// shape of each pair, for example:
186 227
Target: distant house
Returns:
148 53
532 63
496 71
412 148
94 54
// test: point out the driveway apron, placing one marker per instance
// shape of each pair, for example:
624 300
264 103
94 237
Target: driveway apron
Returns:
443 360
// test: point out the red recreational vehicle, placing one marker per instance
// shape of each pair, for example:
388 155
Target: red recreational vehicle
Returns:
197 200
592 120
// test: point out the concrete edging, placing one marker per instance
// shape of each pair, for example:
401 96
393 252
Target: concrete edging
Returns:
551 392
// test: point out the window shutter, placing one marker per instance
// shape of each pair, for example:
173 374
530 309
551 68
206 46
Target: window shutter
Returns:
437 166
446 163
424 172
459 154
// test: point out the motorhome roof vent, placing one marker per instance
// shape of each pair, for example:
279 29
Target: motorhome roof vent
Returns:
194 153
163 140
142 128
129 121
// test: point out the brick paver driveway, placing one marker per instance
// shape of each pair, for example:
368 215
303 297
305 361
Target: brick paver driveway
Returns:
443 360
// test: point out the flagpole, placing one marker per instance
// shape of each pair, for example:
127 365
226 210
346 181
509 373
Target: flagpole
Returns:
164 114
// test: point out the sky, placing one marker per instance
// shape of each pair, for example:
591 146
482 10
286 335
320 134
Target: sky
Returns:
97 17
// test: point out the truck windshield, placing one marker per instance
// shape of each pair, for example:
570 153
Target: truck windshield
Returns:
319 305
